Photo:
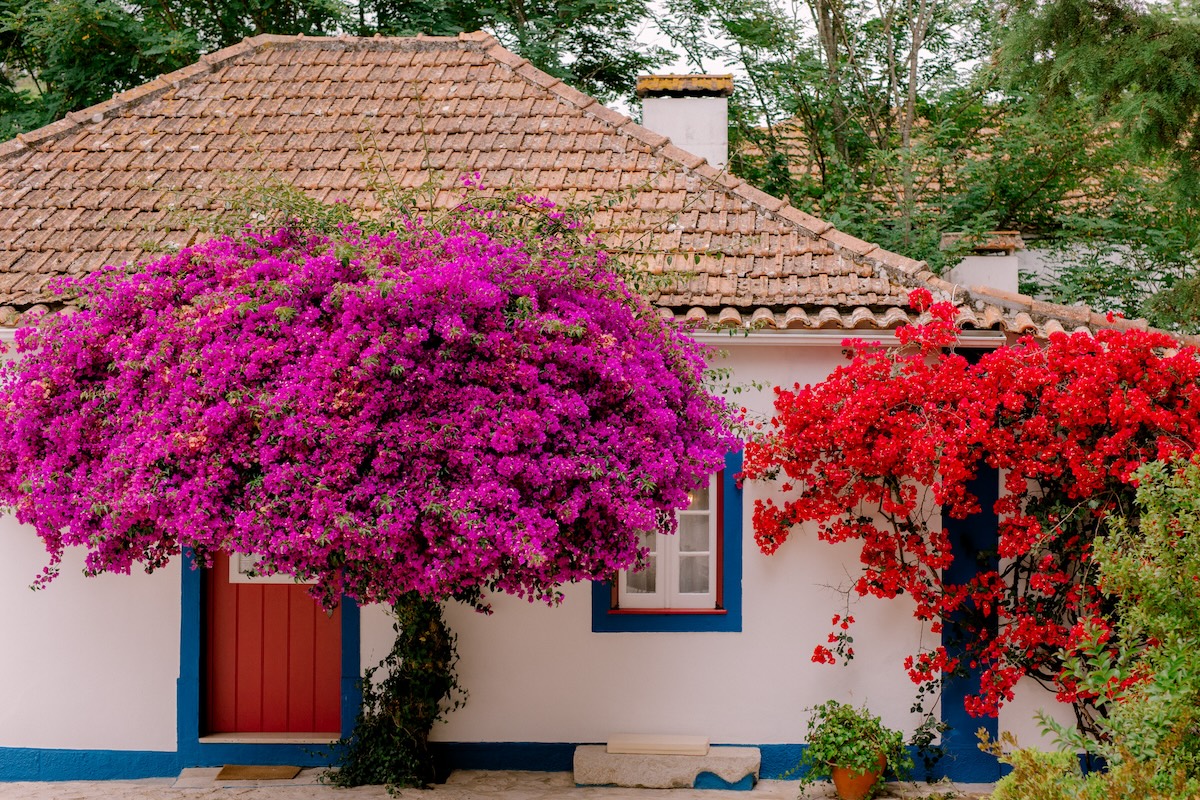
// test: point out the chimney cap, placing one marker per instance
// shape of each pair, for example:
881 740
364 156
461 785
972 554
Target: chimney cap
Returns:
684 85
1006 242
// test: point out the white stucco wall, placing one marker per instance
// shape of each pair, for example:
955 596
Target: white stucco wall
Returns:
87 663
539 674
92 663
1020 716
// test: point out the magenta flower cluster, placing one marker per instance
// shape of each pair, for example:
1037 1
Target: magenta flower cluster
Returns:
439 412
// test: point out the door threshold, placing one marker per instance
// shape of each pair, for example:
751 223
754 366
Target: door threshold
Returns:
272 737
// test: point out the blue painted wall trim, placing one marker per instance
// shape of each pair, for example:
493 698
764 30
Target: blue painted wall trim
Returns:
779 761
193 753
527 756
32 764
731 565
974 542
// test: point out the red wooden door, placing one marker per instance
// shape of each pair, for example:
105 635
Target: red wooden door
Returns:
272 658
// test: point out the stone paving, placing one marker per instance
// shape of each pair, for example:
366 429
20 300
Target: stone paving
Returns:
199 784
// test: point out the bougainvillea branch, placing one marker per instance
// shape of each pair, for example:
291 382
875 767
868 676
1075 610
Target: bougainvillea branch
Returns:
435 411
883 449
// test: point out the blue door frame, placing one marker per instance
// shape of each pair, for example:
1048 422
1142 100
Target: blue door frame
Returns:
193 752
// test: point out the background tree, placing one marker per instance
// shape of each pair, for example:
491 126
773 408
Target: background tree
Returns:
901 120
62 55
58 56
594 45
1135 68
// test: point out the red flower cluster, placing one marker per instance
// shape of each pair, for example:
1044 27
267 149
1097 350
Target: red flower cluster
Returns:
883 449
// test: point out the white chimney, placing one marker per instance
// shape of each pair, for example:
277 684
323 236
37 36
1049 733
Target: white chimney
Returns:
989 259
691 109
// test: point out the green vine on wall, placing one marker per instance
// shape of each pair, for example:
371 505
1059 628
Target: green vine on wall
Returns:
390 742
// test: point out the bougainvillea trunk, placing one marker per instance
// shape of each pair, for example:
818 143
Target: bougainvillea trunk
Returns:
390 743
1067 420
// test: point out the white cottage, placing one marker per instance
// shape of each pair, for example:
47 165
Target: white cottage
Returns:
131 676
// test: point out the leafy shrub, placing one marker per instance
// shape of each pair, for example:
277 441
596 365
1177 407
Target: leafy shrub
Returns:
390 742
1141 665
840 735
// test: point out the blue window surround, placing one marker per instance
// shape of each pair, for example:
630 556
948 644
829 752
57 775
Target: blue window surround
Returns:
605 619
194 753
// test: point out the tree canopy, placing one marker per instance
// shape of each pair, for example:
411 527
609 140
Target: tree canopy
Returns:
1073 121
901 121
435 410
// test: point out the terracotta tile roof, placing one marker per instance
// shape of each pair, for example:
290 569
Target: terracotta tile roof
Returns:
98 187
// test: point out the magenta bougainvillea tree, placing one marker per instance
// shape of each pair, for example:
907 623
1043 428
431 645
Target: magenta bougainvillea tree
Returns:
435 410
884 449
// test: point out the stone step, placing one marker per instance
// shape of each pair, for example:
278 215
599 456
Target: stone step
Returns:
721 768
658 744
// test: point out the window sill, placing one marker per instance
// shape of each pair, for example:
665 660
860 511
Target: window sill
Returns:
669 611
606 619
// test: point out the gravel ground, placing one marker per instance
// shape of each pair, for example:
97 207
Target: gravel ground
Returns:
200 784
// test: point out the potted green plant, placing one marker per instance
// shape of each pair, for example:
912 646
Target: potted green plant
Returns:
853 748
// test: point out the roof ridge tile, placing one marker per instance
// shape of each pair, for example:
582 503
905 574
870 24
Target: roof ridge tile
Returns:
506 56
814 225
905 264
606 114
673 152
1001 297
47 133
147 91
12 147
263 39
643 134
1061 312
844 241
218 57
760 198
536 76
194 70
573 96
480 37
707 171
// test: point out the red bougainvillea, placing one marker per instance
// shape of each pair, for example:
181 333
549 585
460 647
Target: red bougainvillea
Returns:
883 449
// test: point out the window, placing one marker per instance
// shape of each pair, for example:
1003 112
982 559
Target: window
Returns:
243 568
692 580
681 570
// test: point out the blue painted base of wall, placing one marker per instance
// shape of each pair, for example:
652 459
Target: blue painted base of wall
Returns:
707 780
296 755
527 756
779 761
32 764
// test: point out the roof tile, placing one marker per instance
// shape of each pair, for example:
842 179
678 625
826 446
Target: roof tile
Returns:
95 187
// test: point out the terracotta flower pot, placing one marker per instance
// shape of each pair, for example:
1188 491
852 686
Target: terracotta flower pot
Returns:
851 785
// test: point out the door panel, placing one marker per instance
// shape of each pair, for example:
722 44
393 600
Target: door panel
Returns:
272 658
